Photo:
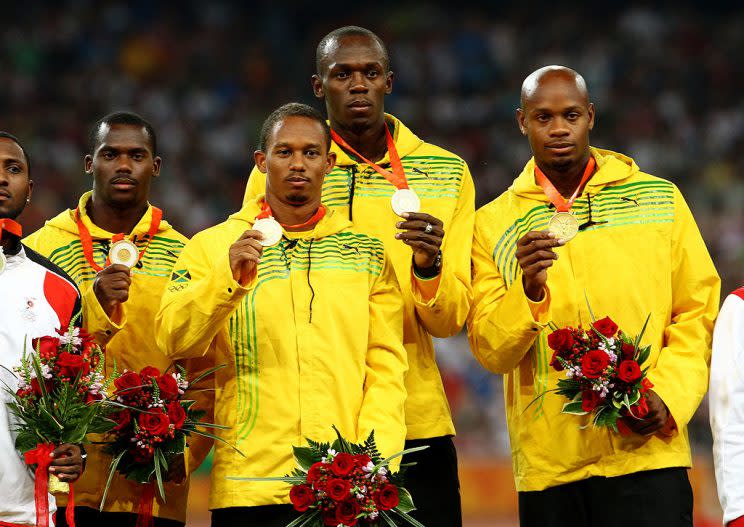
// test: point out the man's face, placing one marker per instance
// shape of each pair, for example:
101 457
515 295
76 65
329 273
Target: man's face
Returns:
354 81
122 165
296 160
557 118
15 187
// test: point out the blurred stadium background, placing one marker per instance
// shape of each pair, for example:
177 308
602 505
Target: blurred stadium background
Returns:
664 77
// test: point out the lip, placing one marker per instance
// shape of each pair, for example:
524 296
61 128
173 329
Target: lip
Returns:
297 180
123 183
359 105
4 194
560 148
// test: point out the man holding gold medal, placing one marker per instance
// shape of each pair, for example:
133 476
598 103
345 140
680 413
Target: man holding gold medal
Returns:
419 200
581 231
306 313
120 251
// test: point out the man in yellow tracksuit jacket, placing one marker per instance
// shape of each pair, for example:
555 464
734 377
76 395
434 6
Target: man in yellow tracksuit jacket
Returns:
637 252
353 77
310 328
119 309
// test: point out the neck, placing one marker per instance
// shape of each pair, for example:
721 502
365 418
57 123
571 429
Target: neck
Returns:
567 180
115 219
10 244
291 214
369 140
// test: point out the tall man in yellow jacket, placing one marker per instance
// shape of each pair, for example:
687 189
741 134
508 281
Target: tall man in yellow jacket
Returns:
637 252
119 305
353 76
309 322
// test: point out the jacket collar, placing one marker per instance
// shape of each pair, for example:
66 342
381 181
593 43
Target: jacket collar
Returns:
405 141
611 167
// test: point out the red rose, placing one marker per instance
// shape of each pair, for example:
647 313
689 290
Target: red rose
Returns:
362 460
628 351
168 387
343 464
93 397
640 409
555 363
338 489
590 399
70 365
561 340
130 384
122 418
36 388
176 414
605 327
329 518
594 363
646 385
47 347
629 371
301 497
142 455
346 512
154 422
387 497
314 473
149 371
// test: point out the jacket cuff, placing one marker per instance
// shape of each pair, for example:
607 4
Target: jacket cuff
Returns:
98 322
424 289
541 309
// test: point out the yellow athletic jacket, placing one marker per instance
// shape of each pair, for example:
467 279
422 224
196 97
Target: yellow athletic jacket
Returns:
314 340
436 307
130 340
641 254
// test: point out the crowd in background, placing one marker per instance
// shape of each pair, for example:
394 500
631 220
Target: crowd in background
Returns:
665 82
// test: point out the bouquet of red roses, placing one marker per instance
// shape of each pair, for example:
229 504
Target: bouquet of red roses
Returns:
57 399
603 372
346 485
152 420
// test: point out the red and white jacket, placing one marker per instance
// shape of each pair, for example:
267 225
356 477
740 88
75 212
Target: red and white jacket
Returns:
36 298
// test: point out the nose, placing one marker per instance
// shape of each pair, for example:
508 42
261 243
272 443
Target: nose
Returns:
358 83
297 162
123 165
559 127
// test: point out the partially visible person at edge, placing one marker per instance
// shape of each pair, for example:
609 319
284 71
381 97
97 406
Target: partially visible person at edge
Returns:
637 252
726 400
38 298
353 76
119 304
311 327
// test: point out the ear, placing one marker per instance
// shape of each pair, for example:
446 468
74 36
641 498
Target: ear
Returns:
330 162
389 82
30 190
260 159
520 121
591 115
88 164
156 166
317 83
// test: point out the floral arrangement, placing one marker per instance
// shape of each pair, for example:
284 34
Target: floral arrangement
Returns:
58 399
152 420
346 485
604 374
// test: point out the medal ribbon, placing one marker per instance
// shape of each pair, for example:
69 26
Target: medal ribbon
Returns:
319 214
561 204
6 224
398 175
86 240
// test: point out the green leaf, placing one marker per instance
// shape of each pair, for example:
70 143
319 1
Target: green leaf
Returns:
210 371
292 480
305 519
304 457
387 519
217 438
573 408
160 466
387 460
640 335
405 500
112 470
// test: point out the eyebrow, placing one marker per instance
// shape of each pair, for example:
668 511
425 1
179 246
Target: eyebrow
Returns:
309 145
569 109
374 64
109 148
11 160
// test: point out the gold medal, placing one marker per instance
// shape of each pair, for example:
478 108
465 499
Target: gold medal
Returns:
271 230
3 261
124 253
564 225
405 200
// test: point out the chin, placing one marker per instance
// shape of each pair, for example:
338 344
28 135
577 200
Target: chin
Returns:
296 198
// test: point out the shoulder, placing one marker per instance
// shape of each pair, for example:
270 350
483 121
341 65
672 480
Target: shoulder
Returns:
222 234
64 279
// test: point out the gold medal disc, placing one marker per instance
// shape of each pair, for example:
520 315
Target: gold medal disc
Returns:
125 253
405 200
564 225
271 230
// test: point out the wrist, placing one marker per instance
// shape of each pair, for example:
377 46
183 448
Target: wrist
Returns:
431 271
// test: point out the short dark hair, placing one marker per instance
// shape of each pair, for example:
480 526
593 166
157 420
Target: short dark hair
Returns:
292 109
13 138
127 118
349 31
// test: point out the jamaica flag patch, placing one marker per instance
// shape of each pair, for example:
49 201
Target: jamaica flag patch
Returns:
180 276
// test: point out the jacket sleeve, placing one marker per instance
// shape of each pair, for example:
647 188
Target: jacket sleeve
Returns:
443 308
97 322
386 366
726 401
503 322
256 185
680 375
193 311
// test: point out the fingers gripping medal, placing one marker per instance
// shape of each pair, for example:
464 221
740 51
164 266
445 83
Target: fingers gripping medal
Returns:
124 253
405 200
563 223
270 229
